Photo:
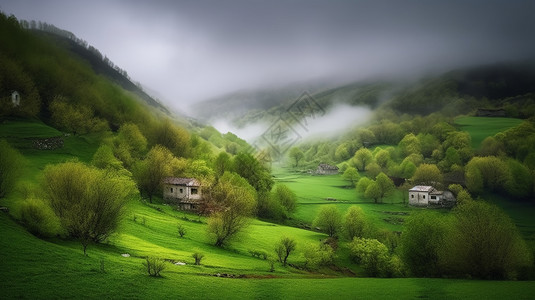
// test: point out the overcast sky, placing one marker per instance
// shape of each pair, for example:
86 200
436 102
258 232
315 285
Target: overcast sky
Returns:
192 50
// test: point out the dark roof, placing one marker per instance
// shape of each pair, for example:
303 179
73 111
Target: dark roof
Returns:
327 167
182 181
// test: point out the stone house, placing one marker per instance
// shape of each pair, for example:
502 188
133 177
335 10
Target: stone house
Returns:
326 169
424 195
185 192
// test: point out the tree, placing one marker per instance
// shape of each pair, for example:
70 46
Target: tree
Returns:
427 174
104 159
371 254
362 158
363 184
11 166
422 243
386 185
317 255
89 202
284 248
235 198
285 197
296 154
373 191
351 174
494 174
172 137
222 163
150 172
328 220
382 158
409 145
355 224
255 173
485 242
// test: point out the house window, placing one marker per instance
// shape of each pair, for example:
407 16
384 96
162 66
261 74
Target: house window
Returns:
181 191
194 191
433 197
412 196
424 196
171 189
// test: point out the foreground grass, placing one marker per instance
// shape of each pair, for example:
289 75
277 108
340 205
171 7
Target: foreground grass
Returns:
41 269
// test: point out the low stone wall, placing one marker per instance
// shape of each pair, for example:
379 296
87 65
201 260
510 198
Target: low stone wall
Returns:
48 143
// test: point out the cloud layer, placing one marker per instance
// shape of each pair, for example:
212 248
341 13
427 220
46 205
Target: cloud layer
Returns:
192 50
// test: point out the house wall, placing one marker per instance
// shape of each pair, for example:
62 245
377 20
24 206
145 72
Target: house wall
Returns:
171 191
418 198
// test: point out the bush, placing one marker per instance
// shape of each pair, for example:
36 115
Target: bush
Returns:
372 255
39 218
285 247
318 255
181 230
198 256
154 266
259 254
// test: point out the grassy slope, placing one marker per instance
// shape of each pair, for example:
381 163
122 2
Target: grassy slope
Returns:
36 268
482 127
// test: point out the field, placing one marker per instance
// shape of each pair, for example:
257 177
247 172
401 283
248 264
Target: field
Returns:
56 268
482 127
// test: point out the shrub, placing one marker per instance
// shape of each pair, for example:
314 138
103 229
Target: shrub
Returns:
154 266
181 230
372 255
198 256
259 254
39 218
318 255
10 167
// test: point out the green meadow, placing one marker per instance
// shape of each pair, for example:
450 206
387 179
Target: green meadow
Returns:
482 127
55 268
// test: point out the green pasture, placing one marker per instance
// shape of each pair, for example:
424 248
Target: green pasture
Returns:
482 127
44 269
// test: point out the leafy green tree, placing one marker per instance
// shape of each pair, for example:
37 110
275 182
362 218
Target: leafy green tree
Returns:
494 172
363 184
284 248
382 157
150 172
386 185
317 255
11 166
355 223
285 197
173 138
373 170
328 219
371 254
422 243
342 152
351 174
362 158
427 174
104 159
486 243
520 183
296 154
373 191
38 218
235 199
409 145
89 202
222 163
255 173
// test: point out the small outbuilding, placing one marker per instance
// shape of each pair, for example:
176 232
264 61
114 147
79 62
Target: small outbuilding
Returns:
185 192
326 169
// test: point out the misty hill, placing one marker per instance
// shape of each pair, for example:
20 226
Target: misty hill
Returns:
505 85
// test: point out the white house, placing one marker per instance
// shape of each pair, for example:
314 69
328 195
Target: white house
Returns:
423 195
185 192
326 169
15 98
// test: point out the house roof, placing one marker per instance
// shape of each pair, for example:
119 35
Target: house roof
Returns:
327 167
422 188
182 181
